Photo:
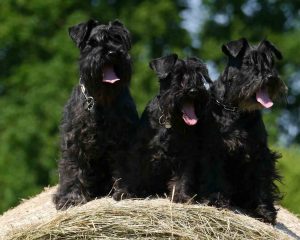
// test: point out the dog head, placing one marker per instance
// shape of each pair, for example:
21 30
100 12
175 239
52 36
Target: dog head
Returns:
183 88
250 80
104 59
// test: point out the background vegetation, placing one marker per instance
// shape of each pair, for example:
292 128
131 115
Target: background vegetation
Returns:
38 71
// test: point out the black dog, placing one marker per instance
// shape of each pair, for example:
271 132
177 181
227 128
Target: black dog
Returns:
249 83
162 159
100 118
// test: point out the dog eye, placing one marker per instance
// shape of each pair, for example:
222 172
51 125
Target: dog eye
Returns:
93 42
118 39
247 62
206 85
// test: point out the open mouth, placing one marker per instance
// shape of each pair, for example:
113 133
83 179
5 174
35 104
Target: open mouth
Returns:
263 98
109 75
188 113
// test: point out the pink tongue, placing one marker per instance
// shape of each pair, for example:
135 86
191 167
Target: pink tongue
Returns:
189 115
263 98
109 75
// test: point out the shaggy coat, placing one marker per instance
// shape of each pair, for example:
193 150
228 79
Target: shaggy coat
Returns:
163 157
100 118
248 84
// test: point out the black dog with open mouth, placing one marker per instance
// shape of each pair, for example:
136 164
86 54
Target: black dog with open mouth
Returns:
248 84
100 117
163 157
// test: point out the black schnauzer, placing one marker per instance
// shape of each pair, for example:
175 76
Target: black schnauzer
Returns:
162 159
100 118
249 83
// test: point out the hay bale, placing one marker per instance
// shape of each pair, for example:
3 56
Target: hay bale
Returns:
137 219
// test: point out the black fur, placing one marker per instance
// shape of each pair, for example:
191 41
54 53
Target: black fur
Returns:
163 158
249 164
95 137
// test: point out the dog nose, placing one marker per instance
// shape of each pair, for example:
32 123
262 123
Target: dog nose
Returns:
271 78
269 75
193 91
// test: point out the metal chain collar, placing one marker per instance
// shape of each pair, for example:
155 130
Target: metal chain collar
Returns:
164 120
228 108
89 101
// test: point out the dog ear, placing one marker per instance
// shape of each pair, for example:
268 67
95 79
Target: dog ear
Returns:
117 22
80 32
163 65
196 60
265 44
234 48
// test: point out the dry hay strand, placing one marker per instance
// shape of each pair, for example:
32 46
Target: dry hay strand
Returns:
146 219
104 218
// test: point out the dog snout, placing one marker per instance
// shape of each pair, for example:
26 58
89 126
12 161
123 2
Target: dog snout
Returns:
110 53
271 78
112 56
121 51
193 91
115 53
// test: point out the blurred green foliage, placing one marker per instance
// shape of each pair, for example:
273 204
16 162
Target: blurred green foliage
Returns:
276 20
290 170
38 64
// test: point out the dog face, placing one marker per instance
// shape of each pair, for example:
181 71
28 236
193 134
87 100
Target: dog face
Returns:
250 79
183 88
104 59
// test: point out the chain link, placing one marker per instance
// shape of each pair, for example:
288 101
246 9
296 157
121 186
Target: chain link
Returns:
90 102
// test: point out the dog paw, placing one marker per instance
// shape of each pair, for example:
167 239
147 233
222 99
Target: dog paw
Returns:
63 202
218 200
266 214
121 194
181 198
